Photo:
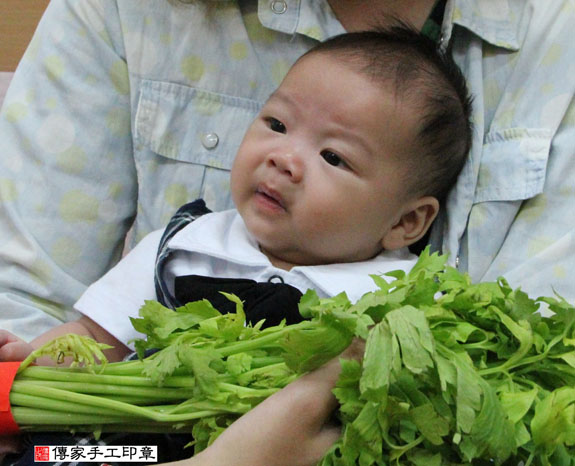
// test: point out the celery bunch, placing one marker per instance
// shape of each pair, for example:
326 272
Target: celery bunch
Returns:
454 373
210 368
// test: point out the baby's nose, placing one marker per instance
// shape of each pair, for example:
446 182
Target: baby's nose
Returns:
288 163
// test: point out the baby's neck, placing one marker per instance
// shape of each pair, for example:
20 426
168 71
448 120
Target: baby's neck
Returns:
278 262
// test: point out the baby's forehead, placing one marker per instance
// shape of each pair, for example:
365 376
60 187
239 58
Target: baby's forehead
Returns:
385 86
352 67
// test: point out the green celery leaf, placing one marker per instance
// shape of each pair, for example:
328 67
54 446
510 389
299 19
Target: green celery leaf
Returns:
452 334
206 430
469 392
377 364
186 317
429 264
562 456
308 303
367 428
347 389
375 305
554 420
412 331
382 283
237 364
569 358
275 375
520 330
429 423
424 458
231 325
157 323
522 306
517 403
308 348
522 435
447 374
162 364
350 374
311 306
453 280
492 431
199 362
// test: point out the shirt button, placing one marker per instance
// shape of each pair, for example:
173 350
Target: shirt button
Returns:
210 140
279 6
457 262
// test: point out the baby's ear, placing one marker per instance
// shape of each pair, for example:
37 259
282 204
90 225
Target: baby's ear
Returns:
413 224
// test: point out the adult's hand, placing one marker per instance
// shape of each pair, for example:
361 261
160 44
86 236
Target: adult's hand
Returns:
13 348
290 428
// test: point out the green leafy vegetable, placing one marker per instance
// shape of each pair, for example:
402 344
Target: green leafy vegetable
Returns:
83 351
454 373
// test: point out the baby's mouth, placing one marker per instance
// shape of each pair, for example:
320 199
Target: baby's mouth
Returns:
270 196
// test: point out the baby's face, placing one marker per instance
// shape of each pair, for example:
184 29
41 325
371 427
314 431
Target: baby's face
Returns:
319 176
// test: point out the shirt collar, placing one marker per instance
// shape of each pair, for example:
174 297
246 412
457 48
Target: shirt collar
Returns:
312 18
223 235
355 278
498 22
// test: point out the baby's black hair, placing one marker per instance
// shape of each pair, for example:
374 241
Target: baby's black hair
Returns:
427 79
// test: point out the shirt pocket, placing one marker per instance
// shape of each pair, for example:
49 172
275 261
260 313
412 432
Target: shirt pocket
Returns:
513 164
185 142
191 125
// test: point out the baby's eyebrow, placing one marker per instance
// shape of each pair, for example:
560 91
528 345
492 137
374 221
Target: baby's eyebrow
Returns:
281 96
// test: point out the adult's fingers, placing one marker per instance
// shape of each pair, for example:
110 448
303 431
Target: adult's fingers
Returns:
13 348
7 337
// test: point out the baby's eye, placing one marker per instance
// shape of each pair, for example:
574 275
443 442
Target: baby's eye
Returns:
276 125
332 158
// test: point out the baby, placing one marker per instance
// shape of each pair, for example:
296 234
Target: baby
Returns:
344 167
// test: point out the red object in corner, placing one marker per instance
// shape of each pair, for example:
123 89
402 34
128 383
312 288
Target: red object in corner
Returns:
7 373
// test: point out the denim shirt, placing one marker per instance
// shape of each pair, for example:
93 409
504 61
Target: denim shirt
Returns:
121 111
512 212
